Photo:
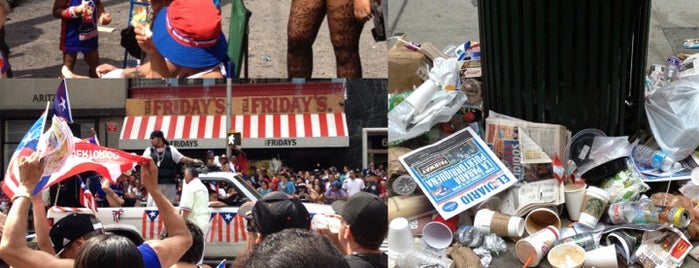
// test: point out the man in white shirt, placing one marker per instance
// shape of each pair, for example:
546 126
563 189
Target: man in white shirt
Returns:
166 157
194 202
353 184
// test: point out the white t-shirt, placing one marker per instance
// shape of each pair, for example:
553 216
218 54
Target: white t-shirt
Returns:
353 186
195 198
176 155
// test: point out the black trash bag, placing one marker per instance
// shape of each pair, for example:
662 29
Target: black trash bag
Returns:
128 41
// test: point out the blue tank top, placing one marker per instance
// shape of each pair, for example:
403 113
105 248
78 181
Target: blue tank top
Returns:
150 258
80 34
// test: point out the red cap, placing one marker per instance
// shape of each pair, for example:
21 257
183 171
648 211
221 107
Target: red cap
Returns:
194 23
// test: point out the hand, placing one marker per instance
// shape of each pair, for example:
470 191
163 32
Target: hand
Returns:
103 69
30 169
362 10
105 18
144 38
149 176
106 185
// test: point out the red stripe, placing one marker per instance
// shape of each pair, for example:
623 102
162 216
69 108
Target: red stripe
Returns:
261 126
323 124
158 123
220 228
143 224
228 232
276 126
246 126
142 128
217 128
307 125
160 227
187 126
172 128
292 126
202 127
236 219
128 126
340 125
213 229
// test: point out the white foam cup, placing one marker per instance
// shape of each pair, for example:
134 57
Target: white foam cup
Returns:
574 195
540 218
593 206
534 247
400 238
437 235
567 255
604 257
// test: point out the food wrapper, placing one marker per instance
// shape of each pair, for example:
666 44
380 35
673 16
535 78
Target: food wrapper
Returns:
624 186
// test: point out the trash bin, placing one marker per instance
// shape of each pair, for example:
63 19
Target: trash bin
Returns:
576 63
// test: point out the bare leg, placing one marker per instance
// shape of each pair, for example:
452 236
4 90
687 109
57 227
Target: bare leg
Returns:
305 19
345 30
92 58
69 60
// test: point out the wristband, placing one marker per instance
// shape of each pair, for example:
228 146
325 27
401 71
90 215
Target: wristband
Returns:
69 13
20 195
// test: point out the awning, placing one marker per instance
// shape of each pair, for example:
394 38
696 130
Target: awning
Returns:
181 131
257 131
292 130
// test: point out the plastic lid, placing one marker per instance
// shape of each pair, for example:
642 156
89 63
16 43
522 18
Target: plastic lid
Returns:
674 61
578 149
515 227
602 194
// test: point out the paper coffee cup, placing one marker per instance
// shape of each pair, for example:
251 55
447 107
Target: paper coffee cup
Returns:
593 206
400 239
604 257
437 235
489 221
422 95
534 247
574 195
540 218
566 256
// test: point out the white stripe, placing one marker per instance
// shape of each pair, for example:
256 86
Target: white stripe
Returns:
315 125
165 126
332 125
136 128
269 126
194 127
222 131
239 123
179 123
150 126
284 125
209 127
253 126
344 124
300 131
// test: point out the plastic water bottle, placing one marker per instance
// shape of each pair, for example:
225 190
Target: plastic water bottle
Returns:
653 158
673 65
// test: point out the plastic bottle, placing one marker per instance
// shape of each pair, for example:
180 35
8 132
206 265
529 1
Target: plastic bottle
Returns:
643 211
654 158
673 65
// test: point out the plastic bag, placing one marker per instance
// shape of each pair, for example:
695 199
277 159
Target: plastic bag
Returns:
673 116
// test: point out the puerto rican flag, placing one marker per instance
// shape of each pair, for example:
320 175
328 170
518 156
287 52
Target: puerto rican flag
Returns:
61 103
87 199
25 147
152 224
227 227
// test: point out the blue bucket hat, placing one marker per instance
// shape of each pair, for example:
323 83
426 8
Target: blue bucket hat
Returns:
188 33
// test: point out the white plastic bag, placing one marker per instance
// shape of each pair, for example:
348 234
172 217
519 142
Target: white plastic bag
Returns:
673 116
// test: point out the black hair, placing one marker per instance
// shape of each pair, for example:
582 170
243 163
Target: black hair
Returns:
310 250
196 251
109 251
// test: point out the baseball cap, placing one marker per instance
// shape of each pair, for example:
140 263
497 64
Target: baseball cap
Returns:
70 228
159 134
275 211
366 214
188 33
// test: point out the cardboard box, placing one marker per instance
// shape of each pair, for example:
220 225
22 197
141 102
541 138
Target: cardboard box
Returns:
403 65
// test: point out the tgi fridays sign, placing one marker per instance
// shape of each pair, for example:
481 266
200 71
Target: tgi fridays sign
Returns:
290 104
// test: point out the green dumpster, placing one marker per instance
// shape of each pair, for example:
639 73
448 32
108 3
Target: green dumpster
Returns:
576 63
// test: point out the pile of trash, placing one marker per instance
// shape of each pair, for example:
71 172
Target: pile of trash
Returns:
466 187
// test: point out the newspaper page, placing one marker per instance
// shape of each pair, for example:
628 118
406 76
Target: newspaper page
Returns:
664 248
523 198
526 148
457 172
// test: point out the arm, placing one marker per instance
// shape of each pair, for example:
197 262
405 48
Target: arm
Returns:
62 11
103 18
13 246
179 239
112 198
41 225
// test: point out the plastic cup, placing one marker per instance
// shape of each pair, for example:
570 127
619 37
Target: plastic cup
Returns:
593 206
420 255
531 249
566 256
400 239
452 222
574 195
489 221
540 218
437 235
604 257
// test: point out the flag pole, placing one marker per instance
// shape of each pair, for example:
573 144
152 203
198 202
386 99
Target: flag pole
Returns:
228 112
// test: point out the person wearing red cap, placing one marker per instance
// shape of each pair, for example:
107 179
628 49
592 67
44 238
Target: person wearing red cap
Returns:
346 19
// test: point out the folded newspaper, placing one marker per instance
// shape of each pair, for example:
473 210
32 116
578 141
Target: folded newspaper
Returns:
522 198
663 248
526 148
457 172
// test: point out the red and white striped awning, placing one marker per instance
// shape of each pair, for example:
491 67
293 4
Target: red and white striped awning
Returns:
257 131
